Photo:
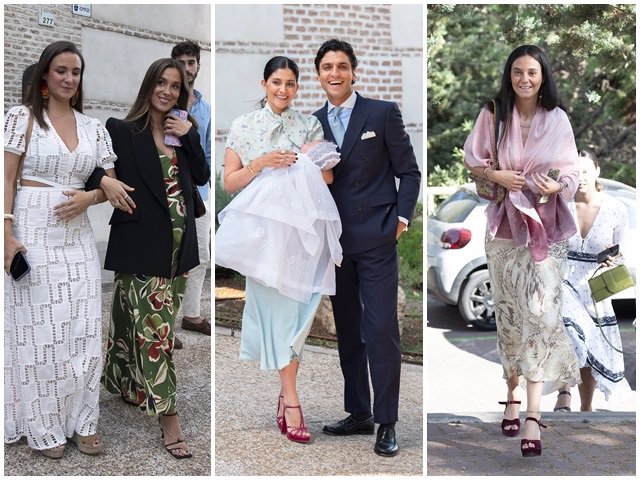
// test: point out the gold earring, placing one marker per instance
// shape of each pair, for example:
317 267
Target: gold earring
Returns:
44 89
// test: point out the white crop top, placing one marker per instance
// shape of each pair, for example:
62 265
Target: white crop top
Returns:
48 160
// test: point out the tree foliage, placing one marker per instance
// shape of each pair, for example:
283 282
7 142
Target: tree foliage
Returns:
591 49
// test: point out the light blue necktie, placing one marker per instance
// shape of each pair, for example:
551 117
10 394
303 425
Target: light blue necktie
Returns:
336 125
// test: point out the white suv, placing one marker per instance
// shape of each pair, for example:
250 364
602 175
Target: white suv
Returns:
456 263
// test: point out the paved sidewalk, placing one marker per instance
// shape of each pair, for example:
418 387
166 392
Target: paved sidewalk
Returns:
465 375
247 441
132 439
574 444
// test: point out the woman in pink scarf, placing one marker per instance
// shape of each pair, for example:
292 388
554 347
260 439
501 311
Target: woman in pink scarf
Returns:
526 242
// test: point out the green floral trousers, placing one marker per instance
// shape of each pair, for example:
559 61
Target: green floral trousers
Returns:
139 363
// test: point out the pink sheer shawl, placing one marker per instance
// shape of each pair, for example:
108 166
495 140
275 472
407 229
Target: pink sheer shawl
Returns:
520 216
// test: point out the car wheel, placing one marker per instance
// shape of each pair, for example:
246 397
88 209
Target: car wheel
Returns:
476 301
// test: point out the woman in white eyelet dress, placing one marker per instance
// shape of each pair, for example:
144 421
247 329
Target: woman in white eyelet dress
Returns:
601 221
52 320
281 232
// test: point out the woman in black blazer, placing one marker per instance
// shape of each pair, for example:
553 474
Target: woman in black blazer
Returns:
152 244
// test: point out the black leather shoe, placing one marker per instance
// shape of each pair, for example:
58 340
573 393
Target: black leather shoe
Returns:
350 426
177 343
386 444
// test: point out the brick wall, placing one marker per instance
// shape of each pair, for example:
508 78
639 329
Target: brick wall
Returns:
306 27
24 41
120 41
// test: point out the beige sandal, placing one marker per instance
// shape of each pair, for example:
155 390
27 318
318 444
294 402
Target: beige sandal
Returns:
87 444
55 452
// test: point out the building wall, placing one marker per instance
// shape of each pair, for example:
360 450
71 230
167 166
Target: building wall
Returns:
387 40
118 43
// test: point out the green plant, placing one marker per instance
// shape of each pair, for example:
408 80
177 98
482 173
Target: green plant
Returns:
592 53
221 201
410 253
222 197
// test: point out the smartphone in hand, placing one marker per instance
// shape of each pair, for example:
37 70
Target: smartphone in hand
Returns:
612 251
19 266
172 140
552 173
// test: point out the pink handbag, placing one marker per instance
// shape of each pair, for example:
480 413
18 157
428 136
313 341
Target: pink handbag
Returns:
492 191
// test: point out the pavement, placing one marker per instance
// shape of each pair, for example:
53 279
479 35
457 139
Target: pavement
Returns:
248 442
574 444
463 386
132 442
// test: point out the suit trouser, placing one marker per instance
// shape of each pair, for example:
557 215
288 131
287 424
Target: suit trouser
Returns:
195 281
366 317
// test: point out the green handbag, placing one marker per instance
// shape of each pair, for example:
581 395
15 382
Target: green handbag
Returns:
605 285
610 282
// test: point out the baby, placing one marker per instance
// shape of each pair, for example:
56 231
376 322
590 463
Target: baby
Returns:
283 229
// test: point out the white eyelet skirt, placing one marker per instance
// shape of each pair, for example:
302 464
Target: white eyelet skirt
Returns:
52 327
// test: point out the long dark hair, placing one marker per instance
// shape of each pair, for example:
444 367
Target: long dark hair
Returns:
548 97
140 108
277 63
34 98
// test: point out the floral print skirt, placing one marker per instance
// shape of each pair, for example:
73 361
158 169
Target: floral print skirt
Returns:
532 340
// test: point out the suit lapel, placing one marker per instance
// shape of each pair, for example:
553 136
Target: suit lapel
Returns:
146 157
324 121
356 124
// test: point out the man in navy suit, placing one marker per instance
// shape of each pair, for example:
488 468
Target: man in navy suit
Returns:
375 151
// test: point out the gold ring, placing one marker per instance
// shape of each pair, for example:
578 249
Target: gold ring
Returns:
116 204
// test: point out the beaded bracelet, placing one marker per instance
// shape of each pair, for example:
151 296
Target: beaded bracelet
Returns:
95 197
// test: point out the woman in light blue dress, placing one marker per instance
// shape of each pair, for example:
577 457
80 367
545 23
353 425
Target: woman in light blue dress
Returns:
281 232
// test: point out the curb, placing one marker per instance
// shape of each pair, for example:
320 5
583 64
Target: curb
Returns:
496 417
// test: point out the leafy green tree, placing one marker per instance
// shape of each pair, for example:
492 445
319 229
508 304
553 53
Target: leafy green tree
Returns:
592 53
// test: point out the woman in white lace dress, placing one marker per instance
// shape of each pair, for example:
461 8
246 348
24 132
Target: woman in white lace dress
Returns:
601 221
281 232
52 324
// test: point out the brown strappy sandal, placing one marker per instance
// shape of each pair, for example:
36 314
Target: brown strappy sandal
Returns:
175 447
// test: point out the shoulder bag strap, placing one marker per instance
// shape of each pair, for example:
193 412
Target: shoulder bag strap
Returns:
496 129
27 139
